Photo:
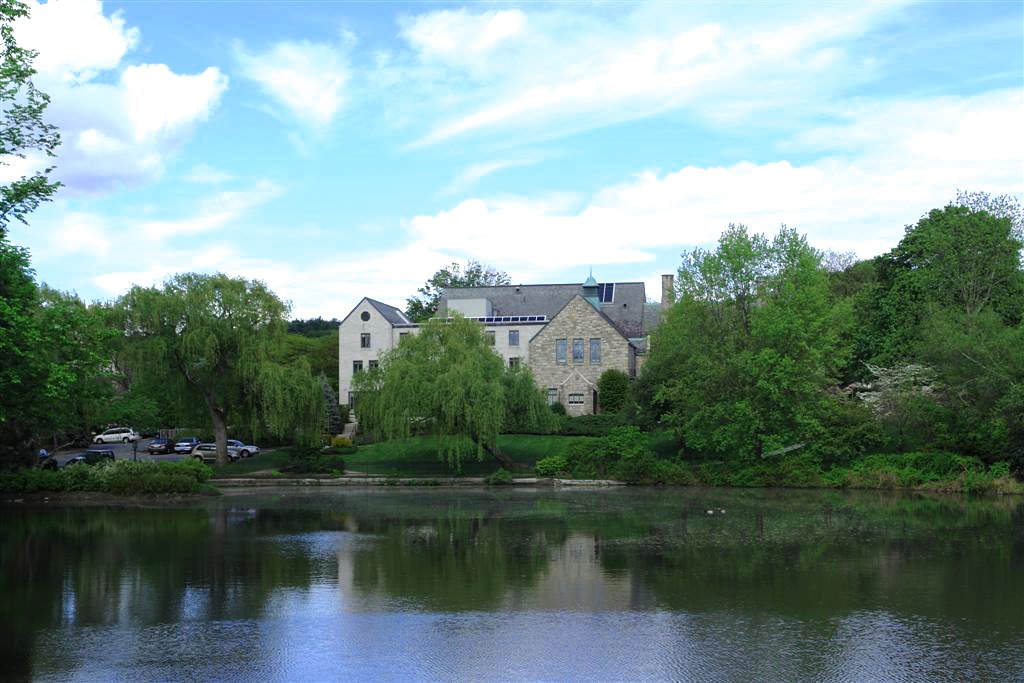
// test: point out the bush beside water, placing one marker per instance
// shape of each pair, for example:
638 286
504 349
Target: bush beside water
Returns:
122 477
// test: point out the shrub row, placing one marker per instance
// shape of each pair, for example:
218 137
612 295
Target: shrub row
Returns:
122 477
305 460
625 455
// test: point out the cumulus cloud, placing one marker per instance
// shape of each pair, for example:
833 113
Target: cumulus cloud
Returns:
306 79
117 130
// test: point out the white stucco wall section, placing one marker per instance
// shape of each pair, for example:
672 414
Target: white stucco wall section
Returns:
383 337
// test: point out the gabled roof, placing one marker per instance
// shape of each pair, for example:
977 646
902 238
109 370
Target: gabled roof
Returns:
390 313
625 311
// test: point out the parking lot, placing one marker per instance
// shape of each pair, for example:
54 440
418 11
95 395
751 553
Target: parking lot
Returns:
123 452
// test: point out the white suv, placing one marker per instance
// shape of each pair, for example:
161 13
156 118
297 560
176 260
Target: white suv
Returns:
115 435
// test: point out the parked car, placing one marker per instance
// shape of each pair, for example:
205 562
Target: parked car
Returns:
116 435
244 451
160 445
207 452
91 457
186 445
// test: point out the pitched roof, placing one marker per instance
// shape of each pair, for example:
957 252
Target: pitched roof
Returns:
625 311
392 314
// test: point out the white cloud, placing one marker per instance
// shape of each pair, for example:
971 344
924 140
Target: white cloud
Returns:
116 131
214 212
474 173
571 71
307 79
912 156
458 35
81 232
74 39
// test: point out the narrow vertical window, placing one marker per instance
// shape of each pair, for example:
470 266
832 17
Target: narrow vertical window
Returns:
357 367
552 396
513 337
595 351
364 340
577 352
561 346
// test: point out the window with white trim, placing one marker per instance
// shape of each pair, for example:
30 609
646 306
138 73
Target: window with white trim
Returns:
513 337
513 362
364 340
575 399
552 395
357 367
595 351
577 352
372 365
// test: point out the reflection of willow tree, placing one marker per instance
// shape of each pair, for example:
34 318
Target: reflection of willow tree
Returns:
458 559
93 566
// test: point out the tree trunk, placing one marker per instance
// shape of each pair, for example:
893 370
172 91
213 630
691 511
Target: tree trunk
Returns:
505 461
218 416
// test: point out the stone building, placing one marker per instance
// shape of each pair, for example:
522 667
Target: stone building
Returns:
567 334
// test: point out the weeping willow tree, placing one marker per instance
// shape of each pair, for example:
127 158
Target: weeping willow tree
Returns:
210 342
449 382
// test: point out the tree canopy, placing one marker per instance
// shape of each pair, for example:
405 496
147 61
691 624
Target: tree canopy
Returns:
213 341
23 132
424 306
741 362
448 381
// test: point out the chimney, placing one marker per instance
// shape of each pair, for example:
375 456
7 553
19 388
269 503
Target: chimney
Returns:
668 290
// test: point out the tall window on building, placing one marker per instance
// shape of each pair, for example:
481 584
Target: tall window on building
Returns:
560 351
513 337
552 396
575 399
489 337
513 362
595 351
577 352
372 365
364 340
357 367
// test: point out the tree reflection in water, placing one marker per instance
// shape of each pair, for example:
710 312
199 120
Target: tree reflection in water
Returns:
219 574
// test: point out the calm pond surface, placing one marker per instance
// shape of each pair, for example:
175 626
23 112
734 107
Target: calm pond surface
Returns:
514 584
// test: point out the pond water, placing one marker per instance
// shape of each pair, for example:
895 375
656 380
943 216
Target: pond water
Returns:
703 585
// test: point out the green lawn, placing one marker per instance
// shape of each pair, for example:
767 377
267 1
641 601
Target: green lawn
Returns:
416 457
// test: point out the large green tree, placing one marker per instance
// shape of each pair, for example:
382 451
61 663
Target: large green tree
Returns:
23 132
214 341
741 364
424 306
448 381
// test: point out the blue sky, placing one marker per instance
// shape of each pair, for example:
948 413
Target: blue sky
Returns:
337 150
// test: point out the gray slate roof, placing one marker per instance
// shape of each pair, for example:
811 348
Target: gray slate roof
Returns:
626 310
393 315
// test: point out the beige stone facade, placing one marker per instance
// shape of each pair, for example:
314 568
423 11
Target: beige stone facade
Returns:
574 381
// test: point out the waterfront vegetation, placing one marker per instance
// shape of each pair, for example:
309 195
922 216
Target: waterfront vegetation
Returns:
121 477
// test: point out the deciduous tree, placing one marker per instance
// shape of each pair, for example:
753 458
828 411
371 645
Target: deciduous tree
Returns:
423 307
213 340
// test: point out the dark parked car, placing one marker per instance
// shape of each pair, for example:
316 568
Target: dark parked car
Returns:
186 445
91 457
160 445
207 452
